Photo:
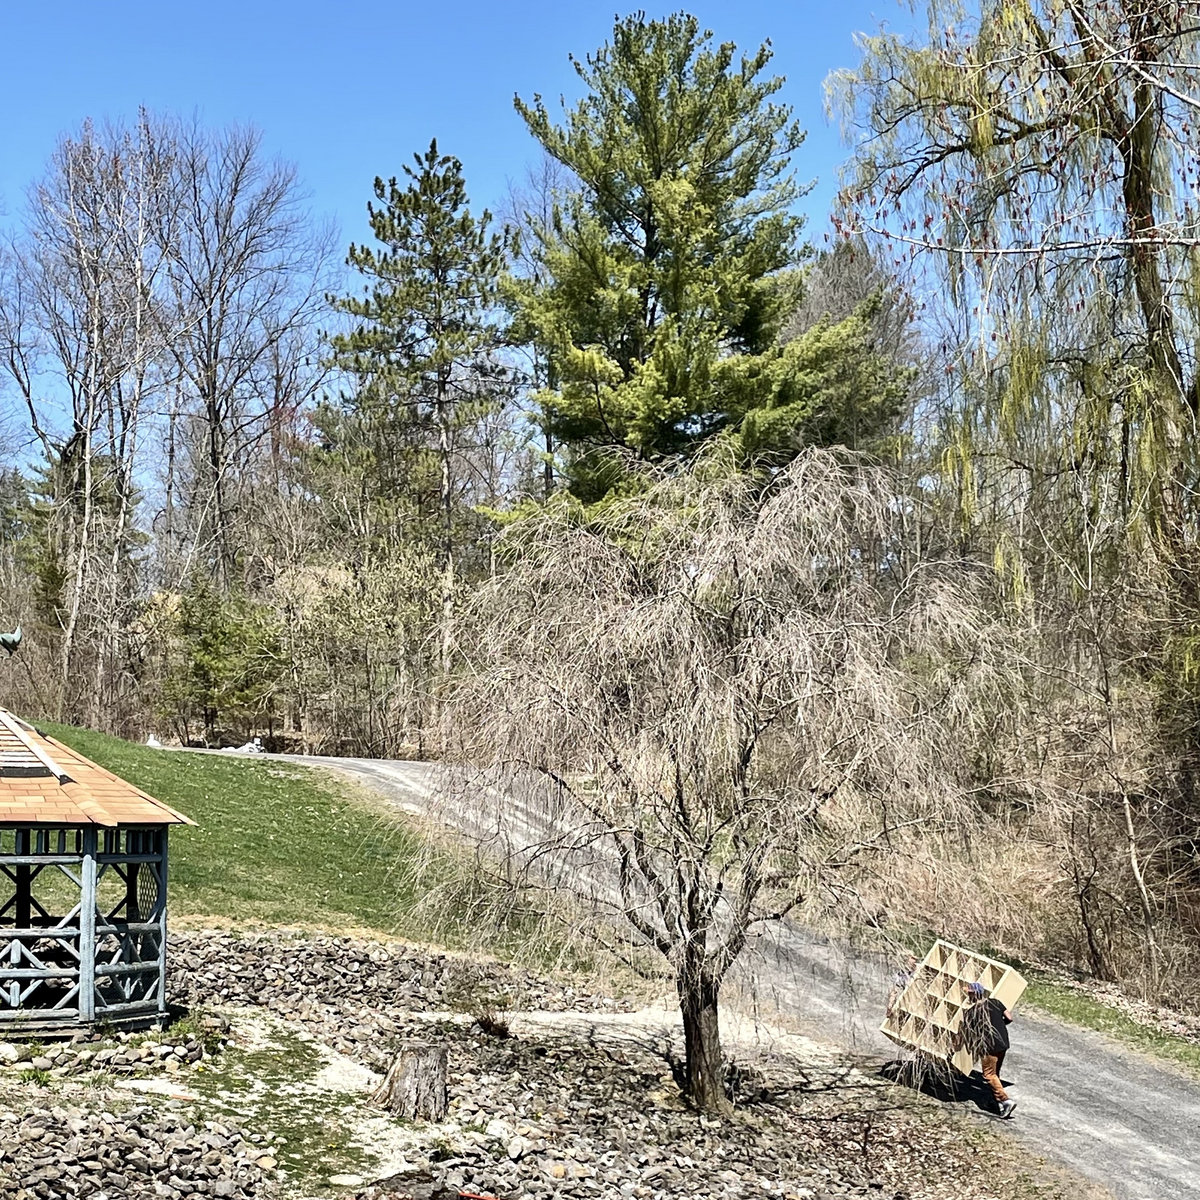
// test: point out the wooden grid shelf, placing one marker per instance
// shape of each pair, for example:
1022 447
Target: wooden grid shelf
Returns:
927 1014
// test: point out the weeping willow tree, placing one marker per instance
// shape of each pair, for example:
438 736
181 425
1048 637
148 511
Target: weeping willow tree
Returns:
1045 153
1039 161
720 701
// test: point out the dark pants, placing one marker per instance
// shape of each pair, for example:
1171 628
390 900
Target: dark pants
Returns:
990 1064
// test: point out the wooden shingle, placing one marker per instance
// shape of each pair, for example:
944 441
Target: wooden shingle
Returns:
43 782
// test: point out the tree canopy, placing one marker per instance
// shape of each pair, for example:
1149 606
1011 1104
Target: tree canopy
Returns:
670 266
1044 155
422 346
735 683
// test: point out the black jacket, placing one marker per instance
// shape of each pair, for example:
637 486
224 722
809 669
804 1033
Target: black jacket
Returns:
985 1028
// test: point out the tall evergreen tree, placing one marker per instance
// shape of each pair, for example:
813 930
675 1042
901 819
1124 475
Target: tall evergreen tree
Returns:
422 346
670 270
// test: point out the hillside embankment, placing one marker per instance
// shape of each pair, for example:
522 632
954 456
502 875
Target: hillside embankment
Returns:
1098 1105
554 1091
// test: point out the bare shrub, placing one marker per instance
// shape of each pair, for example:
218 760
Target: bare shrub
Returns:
711 697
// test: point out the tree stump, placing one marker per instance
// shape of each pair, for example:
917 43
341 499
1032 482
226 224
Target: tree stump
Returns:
415 1085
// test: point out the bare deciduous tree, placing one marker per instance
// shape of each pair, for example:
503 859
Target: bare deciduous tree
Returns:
734 688
81 333
247 272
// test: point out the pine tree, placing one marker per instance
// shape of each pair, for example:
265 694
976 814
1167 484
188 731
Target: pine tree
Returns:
670 271
422 347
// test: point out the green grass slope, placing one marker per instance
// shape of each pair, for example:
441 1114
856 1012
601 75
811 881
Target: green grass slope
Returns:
275 844
278 844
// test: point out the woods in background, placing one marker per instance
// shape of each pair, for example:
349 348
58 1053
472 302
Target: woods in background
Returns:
264 495
1039 163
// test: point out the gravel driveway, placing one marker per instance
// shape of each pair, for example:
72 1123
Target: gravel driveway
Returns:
1110 1113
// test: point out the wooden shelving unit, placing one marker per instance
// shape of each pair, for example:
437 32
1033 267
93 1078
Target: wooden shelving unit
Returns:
928 1013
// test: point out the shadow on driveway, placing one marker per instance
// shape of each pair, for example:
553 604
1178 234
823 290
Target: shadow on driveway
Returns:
942 1082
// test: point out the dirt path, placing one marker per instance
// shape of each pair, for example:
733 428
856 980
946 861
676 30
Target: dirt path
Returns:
1114 1115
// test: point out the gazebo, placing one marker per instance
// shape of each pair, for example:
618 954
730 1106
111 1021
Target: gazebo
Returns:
83 890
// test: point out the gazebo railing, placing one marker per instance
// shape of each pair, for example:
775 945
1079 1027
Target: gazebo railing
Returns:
105 959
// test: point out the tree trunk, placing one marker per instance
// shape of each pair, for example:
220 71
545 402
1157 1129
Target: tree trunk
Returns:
415 1085
1139 153
446 498
217 461
702 1042
446 638
1085 895
80 573
1150 986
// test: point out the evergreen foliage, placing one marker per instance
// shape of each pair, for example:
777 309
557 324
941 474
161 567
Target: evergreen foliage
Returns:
669 270
422 335
829 386
223 663
667 275
422 354
421 350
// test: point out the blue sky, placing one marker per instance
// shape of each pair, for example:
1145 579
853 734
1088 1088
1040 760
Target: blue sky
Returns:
349 91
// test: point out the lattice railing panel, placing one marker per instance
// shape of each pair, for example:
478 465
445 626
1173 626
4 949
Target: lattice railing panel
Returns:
45 964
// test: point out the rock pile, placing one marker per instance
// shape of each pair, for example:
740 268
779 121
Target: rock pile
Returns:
583 1118
535 1116
139 1154
284 973
119 1054
579 1103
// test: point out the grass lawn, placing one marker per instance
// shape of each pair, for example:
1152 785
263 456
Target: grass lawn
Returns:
278 844
1081 1009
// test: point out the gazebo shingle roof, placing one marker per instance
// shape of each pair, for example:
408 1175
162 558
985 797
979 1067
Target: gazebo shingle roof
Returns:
43 782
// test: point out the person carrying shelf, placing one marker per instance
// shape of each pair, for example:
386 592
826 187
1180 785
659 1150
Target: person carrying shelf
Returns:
984 1032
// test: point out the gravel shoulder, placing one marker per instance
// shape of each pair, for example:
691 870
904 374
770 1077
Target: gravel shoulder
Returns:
1119 1118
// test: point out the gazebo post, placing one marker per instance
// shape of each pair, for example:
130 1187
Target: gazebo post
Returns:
87 928
23 910
162 923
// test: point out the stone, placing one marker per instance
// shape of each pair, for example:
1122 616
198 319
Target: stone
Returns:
562 1116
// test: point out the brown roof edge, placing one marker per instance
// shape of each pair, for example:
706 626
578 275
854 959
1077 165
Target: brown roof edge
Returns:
171 816
75 790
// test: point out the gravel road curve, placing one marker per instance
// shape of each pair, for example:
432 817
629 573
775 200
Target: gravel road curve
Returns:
1110 1113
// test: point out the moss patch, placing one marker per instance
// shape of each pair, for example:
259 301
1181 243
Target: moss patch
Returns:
276 1084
